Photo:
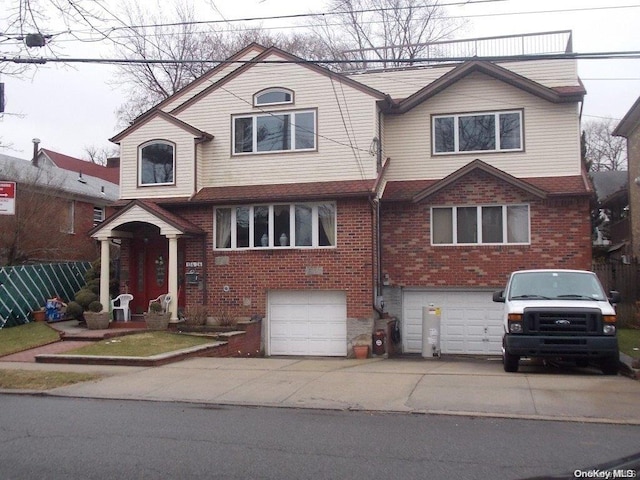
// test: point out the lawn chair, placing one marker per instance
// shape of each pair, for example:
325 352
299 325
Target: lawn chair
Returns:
121 303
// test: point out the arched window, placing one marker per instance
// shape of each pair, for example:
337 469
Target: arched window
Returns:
273 96
157 163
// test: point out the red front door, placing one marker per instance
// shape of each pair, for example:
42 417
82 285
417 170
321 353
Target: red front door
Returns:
150 262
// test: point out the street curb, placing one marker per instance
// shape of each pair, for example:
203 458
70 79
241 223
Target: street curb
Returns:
630 366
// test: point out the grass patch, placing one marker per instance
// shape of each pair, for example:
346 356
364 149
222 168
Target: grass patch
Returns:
23 337
141 345
39 380
628 339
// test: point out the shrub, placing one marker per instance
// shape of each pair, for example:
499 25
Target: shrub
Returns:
155 307
196 315
95 306
84 297
74 310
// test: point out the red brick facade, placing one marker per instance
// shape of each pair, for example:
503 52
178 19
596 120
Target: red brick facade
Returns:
250 274
560 237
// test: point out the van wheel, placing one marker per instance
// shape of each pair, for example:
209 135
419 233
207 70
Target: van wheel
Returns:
610 365
510 362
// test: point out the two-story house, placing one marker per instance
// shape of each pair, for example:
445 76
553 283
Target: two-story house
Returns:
318 200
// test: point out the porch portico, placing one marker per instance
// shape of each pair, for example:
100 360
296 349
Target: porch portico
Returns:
158 227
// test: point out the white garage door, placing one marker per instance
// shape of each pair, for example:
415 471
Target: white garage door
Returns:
308 323
471 323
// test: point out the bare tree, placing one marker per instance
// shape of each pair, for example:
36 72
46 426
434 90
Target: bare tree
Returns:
382 31
99 155
603 151
39 229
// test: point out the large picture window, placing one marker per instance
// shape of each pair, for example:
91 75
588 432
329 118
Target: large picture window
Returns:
299 225
157 163
477 132
495 224
281 132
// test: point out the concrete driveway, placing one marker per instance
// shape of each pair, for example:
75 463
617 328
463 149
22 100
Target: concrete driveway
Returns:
453 386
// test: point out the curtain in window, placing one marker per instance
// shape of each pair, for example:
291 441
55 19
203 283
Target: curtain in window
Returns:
327 217
467 224
223 228
491 224
518 224
442 225
304 227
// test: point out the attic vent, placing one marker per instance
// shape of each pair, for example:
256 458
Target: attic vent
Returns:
80 179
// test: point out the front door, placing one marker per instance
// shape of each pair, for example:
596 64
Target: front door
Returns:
149 270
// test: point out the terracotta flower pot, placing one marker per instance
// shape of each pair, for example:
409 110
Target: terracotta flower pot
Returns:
361 351
39 315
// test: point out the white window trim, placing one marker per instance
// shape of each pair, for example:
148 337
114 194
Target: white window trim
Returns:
273 242
454 223
102 213
153 142
456 140
254 131
271 90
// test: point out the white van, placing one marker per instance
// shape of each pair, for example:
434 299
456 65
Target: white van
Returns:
562 314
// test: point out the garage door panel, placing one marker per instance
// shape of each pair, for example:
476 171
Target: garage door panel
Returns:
471 323
308 323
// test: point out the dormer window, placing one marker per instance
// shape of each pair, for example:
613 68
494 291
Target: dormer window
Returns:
156 163
273 96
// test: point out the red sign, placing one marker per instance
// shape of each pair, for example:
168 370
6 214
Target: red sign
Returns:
7 198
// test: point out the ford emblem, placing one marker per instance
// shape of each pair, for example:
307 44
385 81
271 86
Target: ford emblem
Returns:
563 321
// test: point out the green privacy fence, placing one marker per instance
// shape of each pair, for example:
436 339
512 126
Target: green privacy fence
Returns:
26 288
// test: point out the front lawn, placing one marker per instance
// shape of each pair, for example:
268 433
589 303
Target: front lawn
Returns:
24 337
41 380
629 341
141 345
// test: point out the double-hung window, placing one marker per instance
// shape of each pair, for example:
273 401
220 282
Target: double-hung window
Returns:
274 132
486 224
299 225
477 132
157 163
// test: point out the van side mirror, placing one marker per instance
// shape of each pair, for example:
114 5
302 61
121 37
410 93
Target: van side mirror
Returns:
614 297
498 296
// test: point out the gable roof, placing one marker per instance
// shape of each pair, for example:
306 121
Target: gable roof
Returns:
93 189
554 95
157 211
110 174
286 57
629 122
200 135
471 167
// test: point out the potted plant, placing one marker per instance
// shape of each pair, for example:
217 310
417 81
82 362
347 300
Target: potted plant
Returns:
39 315
361 347
95 317
156 318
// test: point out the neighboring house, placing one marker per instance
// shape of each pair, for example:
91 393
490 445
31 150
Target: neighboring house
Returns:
110 172
54 211
319 200
612 236
629 127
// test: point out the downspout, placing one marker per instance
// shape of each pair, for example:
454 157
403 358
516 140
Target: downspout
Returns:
375 250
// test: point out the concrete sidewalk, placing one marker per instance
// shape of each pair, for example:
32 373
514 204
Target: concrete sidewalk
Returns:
453 386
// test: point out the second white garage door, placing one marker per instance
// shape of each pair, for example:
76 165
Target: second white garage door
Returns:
310 322
471 323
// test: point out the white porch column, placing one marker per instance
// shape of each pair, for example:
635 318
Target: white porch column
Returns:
173 276
104 274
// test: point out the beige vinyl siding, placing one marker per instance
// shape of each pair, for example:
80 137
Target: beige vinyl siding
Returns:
346 125
207 80
157 129
551 133
403 83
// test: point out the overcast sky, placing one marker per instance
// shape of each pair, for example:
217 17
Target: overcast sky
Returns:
69 108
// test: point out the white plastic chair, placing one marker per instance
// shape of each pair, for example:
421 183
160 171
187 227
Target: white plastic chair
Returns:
164 300
121 302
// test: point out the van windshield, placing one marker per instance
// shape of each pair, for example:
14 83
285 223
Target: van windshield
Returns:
556 285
